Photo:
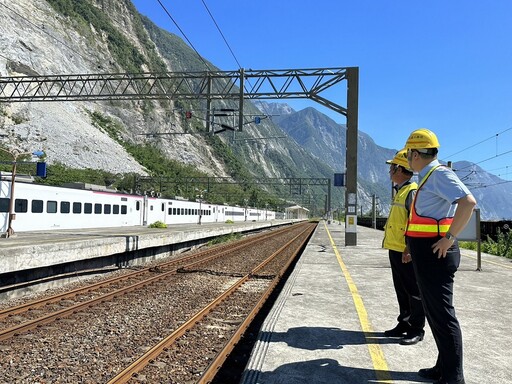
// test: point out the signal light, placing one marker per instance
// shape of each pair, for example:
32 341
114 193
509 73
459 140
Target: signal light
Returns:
188 114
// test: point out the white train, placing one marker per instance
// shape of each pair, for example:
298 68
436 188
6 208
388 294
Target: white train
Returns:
40 207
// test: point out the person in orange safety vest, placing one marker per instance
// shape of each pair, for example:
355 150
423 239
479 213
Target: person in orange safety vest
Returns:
440 210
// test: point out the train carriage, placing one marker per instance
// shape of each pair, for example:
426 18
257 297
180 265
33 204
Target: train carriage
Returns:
41 207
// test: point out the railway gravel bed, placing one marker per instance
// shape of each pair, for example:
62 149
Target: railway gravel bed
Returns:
95 345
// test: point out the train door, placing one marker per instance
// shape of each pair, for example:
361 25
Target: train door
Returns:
145 210
162 215
4 205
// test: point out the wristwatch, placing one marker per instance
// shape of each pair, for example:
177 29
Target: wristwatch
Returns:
449 236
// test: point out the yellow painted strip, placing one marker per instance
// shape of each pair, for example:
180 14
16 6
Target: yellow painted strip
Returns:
487 261
377 355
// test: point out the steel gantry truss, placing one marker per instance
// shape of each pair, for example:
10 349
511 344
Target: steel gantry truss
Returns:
208 85
208 182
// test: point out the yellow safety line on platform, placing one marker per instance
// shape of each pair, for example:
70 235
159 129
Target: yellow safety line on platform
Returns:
377 355
488 261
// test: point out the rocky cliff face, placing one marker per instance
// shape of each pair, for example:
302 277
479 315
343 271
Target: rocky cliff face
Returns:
34 40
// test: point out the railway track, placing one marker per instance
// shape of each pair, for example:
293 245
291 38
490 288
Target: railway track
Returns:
34 313
182 320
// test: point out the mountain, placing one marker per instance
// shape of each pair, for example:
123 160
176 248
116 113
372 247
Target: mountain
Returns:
109 36
492 193
55 37
325 139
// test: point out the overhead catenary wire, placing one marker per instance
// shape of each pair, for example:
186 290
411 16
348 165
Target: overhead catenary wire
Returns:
184 35
495 136
230 49
222 34
497 155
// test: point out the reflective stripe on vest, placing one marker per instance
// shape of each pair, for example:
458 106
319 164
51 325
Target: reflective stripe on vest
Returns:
424 226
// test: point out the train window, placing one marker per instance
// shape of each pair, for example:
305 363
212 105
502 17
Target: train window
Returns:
137 205
169 211
65 207
77 207
115 209
87 208
51 206
4 204
124 210
182 211
37 206
97 208
107 208
150 207
20 205
163 207
174 211
124 199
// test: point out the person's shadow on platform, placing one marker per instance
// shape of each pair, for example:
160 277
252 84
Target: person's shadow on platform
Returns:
327 371
313 338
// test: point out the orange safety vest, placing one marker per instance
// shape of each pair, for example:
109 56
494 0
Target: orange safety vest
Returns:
424 226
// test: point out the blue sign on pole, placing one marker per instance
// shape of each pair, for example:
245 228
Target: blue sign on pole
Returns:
41 169
339 179
38 153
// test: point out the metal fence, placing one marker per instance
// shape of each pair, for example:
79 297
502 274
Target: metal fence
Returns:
487 228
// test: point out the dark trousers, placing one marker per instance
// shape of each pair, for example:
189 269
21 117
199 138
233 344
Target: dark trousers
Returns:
435 280
407 293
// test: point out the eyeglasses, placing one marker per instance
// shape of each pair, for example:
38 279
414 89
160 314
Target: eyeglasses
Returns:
410 150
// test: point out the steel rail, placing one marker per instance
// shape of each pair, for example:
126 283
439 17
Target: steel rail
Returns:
105 283
139 364
66 312
214 367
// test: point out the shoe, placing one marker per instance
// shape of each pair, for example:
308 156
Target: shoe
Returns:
411 338
399 331
433 373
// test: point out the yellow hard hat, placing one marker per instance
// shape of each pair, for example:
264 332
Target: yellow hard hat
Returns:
422 138
400 159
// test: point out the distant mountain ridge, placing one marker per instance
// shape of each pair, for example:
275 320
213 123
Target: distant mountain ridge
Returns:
119 40
326 140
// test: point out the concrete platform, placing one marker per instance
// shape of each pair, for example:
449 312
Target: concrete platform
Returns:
39 249
327 325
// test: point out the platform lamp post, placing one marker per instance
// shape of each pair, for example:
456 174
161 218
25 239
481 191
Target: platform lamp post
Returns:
200 196
15 154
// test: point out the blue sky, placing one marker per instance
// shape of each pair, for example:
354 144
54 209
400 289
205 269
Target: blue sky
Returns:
442 65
